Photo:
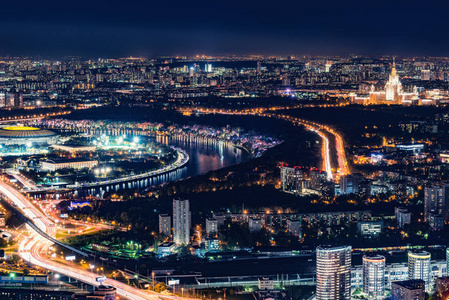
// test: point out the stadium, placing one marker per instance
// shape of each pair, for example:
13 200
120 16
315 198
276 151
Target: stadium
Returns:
21 135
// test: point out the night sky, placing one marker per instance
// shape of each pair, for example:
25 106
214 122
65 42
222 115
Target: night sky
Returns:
101 28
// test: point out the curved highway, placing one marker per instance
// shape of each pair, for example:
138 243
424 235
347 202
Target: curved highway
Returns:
42 237
323 131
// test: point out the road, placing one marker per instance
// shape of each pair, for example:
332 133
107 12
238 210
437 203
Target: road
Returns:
325 132
32 247
27 183
31 250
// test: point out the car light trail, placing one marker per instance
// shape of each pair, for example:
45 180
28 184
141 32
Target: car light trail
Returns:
31 247
323 131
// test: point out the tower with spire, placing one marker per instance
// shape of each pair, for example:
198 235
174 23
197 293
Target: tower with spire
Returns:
393 87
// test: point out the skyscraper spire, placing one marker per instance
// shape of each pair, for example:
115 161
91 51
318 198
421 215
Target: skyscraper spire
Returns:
393 69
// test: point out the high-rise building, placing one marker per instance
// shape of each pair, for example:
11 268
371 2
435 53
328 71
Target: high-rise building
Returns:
208 68
181 222
403 216
12 98
393 87
408 290
436 200
294 227
292 180
211 226
349 184
164 225
333 272
374 276
318 179
419 266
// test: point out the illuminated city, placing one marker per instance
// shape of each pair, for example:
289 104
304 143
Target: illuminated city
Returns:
224 150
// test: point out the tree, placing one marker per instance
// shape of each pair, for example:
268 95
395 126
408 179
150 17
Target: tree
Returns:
160 287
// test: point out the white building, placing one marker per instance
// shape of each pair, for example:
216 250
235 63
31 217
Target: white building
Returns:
370 228
374 276
181 222
333 273
165 249
265 283
397 272
419 266
62 163
292 180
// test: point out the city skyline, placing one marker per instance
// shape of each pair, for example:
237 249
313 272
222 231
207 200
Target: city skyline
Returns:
247 150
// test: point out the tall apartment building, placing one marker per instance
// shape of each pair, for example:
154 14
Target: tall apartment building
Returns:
436 199
403 216
318 179
374 276
11 99
349 184
419 266
164 225
292 180
181 221
333 273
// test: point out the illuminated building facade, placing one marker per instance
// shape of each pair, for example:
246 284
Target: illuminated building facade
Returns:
211 226
181 222
22 135
392 94
62 163
333 272
374 276
435 201
419 266
292 180
164 225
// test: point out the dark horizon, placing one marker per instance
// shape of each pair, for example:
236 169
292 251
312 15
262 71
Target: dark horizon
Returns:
134 28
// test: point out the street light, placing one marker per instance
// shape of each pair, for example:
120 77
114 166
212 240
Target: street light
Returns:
57 276
152 275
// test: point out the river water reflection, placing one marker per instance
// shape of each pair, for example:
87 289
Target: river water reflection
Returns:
204 155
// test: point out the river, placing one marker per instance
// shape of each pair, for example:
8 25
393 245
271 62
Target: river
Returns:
205 155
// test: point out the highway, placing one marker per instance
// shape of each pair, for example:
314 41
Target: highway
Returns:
31 250
42 237
325 132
